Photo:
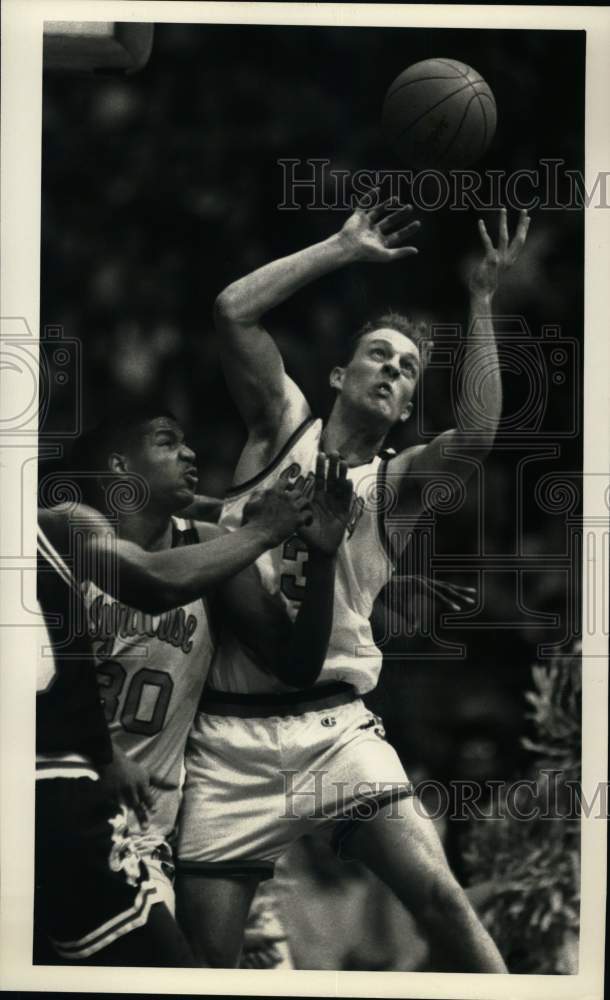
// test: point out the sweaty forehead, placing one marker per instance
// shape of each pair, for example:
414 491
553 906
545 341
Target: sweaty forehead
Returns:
150 428
163 423
399 341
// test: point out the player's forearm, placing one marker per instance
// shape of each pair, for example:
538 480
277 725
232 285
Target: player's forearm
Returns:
152 582
302 657
480 392
249 298
157 581
203 508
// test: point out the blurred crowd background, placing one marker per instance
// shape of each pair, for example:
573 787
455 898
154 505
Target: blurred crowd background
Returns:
161 188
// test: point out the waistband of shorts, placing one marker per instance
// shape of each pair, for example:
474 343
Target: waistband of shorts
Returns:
266 704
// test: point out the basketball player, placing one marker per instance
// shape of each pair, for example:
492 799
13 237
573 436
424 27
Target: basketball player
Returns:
253 742
92 892
94 902
152 670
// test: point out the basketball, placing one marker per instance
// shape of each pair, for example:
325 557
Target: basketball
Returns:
439 113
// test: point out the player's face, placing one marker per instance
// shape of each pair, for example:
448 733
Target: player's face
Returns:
162 457
382 375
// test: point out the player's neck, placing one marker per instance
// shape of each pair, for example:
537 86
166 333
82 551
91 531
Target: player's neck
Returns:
150 529
357 442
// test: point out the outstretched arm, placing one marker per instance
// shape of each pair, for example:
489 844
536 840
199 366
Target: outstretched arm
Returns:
407 602
303 657
203 508
292 651
295 651
266 397
157 581
480 387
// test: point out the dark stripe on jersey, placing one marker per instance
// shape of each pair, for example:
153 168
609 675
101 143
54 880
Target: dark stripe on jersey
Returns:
190 536
50 554
184 536
248 484
382 485
69 713
68 765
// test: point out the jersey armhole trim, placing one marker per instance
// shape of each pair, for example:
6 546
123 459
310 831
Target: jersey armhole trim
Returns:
183 533
189 535
50 555
382 492
248 484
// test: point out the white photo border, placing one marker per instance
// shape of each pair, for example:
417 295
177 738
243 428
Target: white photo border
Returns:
22 24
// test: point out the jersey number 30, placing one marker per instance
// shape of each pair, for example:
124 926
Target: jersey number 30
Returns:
146 701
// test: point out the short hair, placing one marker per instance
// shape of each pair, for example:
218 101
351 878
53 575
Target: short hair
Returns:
415 330
90 453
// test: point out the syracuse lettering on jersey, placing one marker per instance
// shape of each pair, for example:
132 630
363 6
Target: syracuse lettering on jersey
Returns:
110 619
293 473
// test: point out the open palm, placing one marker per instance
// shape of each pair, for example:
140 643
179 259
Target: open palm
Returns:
484 277
330 505
380 233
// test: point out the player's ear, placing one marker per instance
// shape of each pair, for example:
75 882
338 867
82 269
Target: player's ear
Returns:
117 463
406 413
336 377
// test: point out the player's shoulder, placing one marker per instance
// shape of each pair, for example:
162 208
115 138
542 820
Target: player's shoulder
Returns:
296 409
263 453
403 460
294 415
57 522
52 522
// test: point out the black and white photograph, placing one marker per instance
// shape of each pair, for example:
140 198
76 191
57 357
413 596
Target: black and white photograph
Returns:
304 443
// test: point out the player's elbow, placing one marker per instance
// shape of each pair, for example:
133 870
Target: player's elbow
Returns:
299 670
155 595
296 664
307 675
158 605
295 678
230 308
480 433
224 306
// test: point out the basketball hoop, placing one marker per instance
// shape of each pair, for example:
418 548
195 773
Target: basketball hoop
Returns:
97 46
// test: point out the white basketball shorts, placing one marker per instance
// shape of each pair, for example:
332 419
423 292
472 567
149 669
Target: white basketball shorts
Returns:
153 849
263 770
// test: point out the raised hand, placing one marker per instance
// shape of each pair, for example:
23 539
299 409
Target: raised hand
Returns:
484 277
279 512
380 233
451 595
413 599
330 505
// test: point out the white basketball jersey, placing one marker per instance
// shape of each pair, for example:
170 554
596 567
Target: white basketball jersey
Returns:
151 670
363 568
